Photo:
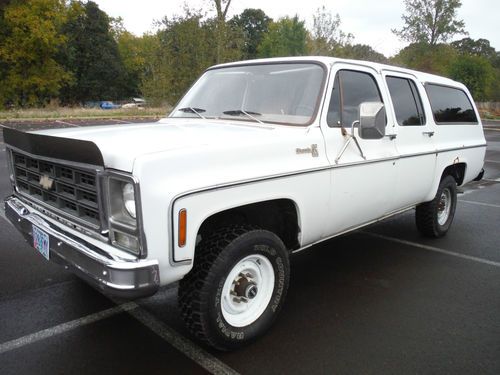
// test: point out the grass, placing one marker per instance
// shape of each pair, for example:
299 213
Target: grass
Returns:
81 113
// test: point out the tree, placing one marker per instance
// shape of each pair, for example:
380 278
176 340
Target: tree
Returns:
476 73
326 37
28 47
221 8
430 21
131 49
181 50
254 24
92 55
287 37
361 52
419 56
479 47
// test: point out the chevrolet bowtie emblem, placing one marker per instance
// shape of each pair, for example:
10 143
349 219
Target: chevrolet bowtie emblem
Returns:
46 182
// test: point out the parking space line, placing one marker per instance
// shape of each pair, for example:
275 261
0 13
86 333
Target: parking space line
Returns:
480 203
491 161
65 123
65 327
435 249
184 345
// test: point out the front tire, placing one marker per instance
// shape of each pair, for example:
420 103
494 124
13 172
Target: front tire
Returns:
434 218
236 288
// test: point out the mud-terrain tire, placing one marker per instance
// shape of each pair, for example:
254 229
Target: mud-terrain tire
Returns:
434 218
236 288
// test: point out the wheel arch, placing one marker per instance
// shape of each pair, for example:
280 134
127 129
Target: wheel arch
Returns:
279 216
456 169
209 211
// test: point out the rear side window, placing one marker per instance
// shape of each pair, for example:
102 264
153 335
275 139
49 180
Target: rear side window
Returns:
351 88
406 100
450 105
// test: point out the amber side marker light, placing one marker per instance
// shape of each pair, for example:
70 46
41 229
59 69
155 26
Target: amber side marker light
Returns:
182 227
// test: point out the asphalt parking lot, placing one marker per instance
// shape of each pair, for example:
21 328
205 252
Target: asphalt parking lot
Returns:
382 300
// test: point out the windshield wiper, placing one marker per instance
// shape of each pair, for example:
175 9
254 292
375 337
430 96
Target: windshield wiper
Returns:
250 114
193 110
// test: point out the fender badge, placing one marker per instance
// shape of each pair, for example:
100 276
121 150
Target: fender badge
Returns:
313 150
46 182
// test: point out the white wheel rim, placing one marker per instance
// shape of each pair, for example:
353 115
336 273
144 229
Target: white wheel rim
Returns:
444 207
247 290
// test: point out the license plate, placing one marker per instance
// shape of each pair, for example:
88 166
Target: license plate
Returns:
41 241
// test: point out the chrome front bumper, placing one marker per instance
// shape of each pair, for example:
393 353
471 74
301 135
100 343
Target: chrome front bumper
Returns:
124 278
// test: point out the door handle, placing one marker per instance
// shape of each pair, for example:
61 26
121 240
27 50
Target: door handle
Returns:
430 134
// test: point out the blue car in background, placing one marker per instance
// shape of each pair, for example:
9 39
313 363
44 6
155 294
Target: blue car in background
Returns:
109 105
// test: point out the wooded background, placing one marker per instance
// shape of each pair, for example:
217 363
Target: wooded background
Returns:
71 52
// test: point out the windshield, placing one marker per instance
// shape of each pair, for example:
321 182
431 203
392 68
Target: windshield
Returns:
276 93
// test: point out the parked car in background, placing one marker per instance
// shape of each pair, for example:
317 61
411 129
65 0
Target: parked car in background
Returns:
135 103
109 105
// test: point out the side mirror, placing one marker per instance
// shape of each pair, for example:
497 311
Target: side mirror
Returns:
372 120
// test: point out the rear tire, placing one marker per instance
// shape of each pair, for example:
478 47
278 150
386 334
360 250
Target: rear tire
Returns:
434 218
236 288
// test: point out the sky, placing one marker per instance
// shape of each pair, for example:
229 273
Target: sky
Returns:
370 21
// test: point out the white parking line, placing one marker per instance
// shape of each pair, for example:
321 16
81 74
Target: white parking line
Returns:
185 346
491 161
65 123
122 121
65 327
480 203
435 249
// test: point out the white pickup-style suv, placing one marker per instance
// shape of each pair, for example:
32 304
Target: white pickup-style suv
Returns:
259 159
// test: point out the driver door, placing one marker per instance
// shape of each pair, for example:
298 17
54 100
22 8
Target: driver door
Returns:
363 179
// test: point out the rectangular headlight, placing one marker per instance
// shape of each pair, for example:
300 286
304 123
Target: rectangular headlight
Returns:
124 212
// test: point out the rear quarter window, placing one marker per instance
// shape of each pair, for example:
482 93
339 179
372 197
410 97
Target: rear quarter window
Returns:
450 105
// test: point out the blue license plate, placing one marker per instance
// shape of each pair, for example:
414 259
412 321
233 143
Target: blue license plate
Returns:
41 241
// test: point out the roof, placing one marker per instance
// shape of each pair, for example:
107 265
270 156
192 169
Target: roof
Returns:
329 61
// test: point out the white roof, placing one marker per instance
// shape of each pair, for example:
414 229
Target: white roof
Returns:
329 61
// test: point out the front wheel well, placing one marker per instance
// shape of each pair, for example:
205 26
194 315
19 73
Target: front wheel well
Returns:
278 216
457 171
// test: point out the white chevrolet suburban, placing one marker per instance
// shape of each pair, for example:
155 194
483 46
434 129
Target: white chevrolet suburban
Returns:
259 159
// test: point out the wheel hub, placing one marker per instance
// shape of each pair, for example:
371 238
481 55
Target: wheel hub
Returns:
247 290
444 207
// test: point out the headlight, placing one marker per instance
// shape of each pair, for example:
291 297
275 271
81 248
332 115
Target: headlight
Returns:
129 198
123 210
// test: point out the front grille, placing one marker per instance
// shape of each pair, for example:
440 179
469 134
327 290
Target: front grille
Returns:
72 191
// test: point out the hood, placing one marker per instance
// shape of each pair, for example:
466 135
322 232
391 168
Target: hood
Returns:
121 145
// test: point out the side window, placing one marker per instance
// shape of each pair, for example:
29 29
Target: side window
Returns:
351 88
406 100
450 105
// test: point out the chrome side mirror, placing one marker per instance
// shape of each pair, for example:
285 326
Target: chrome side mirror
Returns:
372 120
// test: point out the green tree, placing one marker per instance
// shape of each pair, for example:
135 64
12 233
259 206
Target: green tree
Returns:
326 37
361 52
287 37
476 73
180 51
29 44
222 37
430 21
92 55
254 24
431 59
479 47
132 53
